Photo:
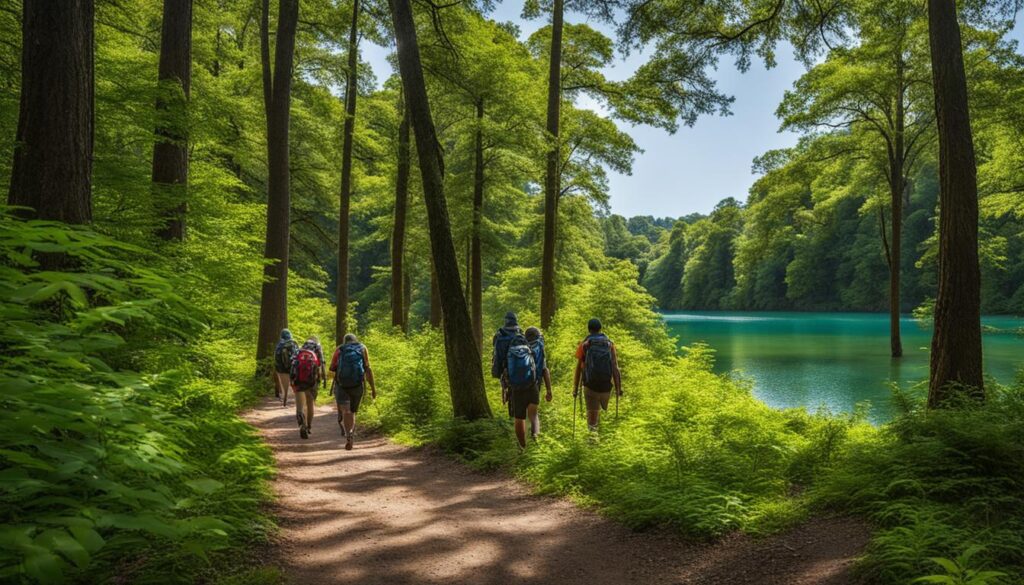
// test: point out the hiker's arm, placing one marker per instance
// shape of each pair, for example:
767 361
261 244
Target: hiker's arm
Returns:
369 373
547 383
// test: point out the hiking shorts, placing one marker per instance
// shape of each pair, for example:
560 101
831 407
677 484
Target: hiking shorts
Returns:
350 397
596 400
520 398
313 390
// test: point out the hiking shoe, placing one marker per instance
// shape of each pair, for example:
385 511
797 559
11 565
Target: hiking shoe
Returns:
348 442
303 432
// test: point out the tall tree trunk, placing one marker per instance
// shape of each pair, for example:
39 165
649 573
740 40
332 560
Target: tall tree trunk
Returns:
476 253
435 300
465 371
341 318
170 152
52 169
548 302
274 296
897 186
399 307
956 361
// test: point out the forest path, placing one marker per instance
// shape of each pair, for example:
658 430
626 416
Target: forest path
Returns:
388 514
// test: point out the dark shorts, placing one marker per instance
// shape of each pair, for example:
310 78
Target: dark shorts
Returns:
596 400
314 390
350 397
520 398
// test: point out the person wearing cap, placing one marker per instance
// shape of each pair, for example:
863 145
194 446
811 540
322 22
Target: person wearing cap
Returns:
597 367
283 354
501 341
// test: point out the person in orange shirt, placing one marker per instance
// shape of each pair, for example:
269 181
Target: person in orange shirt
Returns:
597 367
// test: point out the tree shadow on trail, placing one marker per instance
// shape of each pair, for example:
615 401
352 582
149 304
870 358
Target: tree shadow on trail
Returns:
388 514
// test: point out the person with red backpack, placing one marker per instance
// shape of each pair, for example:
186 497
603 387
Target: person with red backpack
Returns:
351 366
307 373
597 367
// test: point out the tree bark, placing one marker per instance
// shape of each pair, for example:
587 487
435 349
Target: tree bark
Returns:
52 167
399 314
956 359
274 296
548 301
351 85
465 371
476 253
170 152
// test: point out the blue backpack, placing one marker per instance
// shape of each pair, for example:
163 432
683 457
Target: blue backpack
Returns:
522 366
537 345
351 367
502 341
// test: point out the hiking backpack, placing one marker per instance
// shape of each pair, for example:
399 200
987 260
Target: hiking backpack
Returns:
597 365
522 367
502 341
351 366
284 354
305 369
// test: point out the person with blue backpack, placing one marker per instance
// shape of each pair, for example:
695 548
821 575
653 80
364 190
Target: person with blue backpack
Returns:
597 367
531 396
501 342
351 367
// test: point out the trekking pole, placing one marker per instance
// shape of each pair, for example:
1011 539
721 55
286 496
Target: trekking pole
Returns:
617 403
575 392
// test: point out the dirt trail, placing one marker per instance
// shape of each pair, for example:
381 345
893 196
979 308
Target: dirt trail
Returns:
388 514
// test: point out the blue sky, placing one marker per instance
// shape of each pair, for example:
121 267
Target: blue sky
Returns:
693 169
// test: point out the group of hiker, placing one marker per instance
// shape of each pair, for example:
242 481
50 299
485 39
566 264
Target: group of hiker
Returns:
302 369
518 360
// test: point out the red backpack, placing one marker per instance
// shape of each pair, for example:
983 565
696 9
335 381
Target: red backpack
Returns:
305 370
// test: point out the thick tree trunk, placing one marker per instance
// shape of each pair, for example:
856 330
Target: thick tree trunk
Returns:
341 317
548 301
956 361
399 307
274 296
170 152
476 293
465 372
52 169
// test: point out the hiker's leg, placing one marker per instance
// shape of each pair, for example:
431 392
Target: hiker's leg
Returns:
300 403
348 419
531 413
520 426
310 402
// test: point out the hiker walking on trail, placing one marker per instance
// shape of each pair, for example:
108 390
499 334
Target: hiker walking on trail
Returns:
351 365
525 393
597 367
306 374
283 355
502 341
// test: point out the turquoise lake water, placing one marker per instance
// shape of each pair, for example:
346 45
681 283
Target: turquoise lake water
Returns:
832 359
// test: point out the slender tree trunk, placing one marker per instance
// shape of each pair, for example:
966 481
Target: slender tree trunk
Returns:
897 185
476 253
274 296
351 89
956 361
465 372
435 300
408 301
548 301
170 152
52 168
399 313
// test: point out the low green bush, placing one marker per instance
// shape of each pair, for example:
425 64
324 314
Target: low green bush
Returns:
121 453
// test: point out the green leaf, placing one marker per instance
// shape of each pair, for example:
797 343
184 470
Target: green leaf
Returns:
90 540
204 485
44 566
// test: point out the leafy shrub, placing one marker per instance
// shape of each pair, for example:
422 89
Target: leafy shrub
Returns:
113 444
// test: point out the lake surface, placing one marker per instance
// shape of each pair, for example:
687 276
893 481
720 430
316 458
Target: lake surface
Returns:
830 359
